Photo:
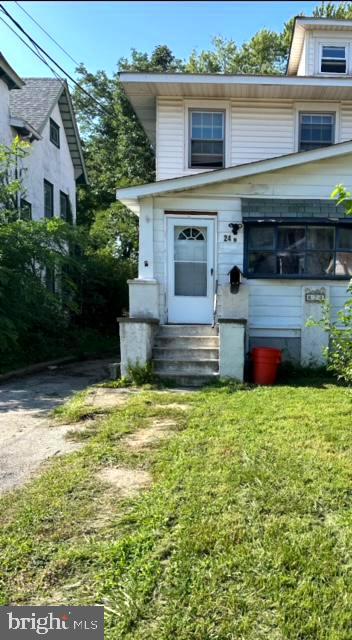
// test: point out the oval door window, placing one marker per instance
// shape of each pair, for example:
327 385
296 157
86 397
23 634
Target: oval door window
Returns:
190 258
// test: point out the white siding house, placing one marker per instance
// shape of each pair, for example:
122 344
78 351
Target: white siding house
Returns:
245 166
40 111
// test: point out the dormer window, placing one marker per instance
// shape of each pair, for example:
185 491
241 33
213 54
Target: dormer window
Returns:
207 139
333 59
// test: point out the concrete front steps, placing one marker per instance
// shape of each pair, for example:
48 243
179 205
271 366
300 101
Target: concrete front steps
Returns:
187 354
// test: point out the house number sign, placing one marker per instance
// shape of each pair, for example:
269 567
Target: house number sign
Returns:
228 237
315 295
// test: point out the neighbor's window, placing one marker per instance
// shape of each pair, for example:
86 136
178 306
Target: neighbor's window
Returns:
26 209
54 133
316 130
300 251
333 59
207 139
48 199
65 207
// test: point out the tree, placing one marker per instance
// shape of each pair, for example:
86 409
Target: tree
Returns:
11 188
340 10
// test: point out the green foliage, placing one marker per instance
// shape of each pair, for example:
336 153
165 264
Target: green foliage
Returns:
11 188
339 352
339 10
343 198
138 376
37 323
265 53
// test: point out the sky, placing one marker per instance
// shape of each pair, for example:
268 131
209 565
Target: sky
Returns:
99 33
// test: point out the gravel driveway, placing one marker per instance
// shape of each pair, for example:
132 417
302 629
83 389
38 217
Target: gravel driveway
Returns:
26 438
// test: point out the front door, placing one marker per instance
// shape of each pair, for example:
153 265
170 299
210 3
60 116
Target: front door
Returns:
190 270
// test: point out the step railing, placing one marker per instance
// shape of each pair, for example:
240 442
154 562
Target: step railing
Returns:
215 306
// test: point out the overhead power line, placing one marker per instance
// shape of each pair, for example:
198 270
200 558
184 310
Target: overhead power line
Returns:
46 33
41 50
31 49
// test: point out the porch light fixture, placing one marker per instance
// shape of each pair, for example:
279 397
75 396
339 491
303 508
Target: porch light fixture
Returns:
235 227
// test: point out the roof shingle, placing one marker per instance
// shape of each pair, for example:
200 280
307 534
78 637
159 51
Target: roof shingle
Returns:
35 101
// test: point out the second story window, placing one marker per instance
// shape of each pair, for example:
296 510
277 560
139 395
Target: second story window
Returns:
65 208
333 59
316 130
207 139
48 199
54 133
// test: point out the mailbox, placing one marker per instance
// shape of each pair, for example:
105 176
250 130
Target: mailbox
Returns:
235 279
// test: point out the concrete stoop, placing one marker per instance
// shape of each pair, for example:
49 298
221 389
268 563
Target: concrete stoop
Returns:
187 354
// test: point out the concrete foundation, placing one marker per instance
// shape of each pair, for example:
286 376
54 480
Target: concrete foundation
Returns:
136 341
232 335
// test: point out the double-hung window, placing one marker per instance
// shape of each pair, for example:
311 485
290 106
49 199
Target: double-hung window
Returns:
48 199
207 138
333 59
316 130
298 250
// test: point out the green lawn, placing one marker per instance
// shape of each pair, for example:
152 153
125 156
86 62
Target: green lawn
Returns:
245 534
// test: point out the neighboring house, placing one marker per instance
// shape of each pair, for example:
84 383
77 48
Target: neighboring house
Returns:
40 111
245 169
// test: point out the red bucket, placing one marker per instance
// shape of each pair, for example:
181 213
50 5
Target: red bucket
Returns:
265 364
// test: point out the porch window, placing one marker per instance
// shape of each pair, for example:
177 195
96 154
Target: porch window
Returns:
316 130
298 251
207 139
333 59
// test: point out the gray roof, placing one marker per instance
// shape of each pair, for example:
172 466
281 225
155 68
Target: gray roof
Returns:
9 75
34 104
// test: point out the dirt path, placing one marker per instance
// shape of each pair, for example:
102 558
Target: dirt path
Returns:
26 439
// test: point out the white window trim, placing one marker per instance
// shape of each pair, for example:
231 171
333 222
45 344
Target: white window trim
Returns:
333 43
317 107
220 105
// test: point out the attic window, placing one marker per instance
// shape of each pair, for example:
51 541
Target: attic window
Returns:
207 140
333 59
54 133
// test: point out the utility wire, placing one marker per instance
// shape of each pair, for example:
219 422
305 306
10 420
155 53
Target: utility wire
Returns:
36 53
101 107
46 32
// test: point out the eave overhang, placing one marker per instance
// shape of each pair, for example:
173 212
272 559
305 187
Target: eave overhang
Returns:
143 90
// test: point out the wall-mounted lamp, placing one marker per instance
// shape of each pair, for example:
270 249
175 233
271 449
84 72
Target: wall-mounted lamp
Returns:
235 227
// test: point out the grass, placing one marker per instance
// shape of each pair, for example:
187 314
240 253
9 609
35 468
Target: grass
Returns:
246 533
